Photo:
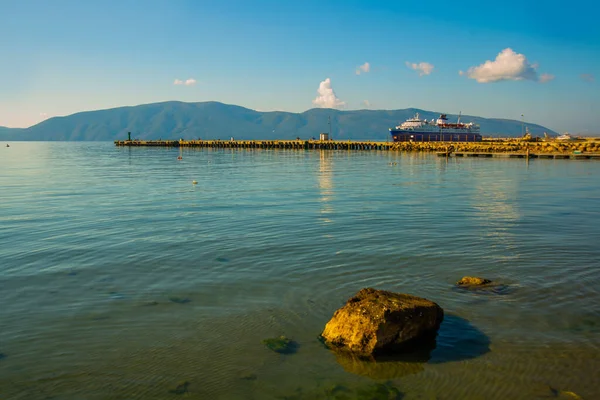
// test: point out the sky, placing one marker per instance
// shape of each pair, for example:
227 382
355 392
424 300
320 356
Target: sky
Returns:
536 61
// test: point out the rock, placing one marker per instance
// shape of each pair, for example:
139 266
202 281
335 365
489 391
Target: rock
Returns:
378 322
473 281
482 286
248 376
179 300
372 391
181 388
563 394
281 345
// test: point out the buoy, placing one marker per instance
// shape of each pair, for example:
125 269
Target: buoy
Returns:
194 182
180 158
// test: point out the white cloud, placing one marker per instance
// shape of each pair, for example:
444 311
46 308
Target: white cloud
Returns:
187 82
424 68
508 66
366 67
546 78
587 77
327 97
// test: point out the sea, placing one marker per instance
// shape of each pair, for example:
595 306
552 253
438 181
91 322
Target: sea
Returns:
121 278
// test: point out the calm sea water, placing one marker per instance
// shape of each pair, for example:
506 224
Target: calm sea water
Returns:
120 279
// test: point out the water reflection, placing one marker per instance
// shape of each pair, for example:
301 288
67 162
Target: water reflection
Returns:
457 340
325 185
495 198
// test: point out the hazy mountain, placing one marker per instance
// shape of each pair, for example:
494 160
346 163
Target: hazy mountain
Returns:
10 133
213 120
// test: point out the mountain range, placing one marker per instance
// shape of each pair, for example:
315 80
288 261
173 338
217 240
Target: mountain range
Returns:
214 120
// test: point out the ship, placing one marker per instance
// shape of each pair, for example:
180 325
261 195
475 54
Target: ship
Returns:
566 137
416 129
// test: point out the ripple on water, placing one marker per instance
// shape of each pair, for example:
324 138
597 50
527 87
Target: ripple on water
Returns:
271 243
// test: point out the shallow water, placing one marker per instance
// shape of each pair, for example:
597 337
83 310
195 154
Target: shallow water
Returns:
120 279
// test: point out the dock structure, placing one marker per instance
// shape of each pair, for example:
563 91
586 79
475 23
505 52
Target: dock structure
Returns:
586 150
565 156
263 144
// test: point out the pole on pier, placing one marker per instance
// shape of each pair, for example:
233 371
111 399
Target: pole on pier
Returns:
522 124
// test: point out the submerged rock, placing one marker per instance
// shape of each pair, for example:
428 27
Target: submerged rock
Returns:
179 300
563 394
375 391
473 281
248 376
181 388
482 286
378 322
281 345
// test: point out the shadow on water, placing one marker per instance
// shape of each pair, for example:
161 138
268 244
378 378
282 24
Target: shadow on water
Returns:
457 340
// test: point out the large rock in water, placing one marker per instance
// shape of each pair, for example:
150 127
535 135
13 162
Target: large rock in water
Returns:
377 321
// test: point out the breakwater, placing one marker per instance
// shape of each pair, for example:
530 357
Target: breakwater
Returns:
493 148
264 144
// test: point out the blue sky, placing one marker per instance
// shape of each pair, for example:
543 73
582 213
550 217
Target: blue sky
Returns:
60 57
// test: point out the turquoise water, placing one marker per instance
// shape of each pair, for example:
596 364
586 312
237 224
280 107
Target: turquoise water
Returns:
120 279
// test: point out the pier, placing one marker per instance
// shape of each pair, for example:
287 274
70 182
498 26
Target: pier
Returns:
264 144
563 156
515 148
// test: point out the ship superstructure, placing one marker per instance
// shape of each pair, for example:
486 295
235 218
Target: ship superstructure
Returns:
416 129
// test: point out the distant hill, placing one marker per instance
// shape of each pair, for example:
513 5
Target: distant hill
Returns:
10 133
213 120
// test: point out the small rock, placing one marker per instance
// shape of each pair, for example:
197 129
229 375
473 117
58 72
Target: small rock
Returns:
473 281
281 345
248 376
181 388
380 391
564 394
179 300
376 391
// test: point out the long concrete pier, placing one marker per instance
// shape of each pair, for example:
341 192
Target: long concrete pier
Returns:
578 150
263 144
